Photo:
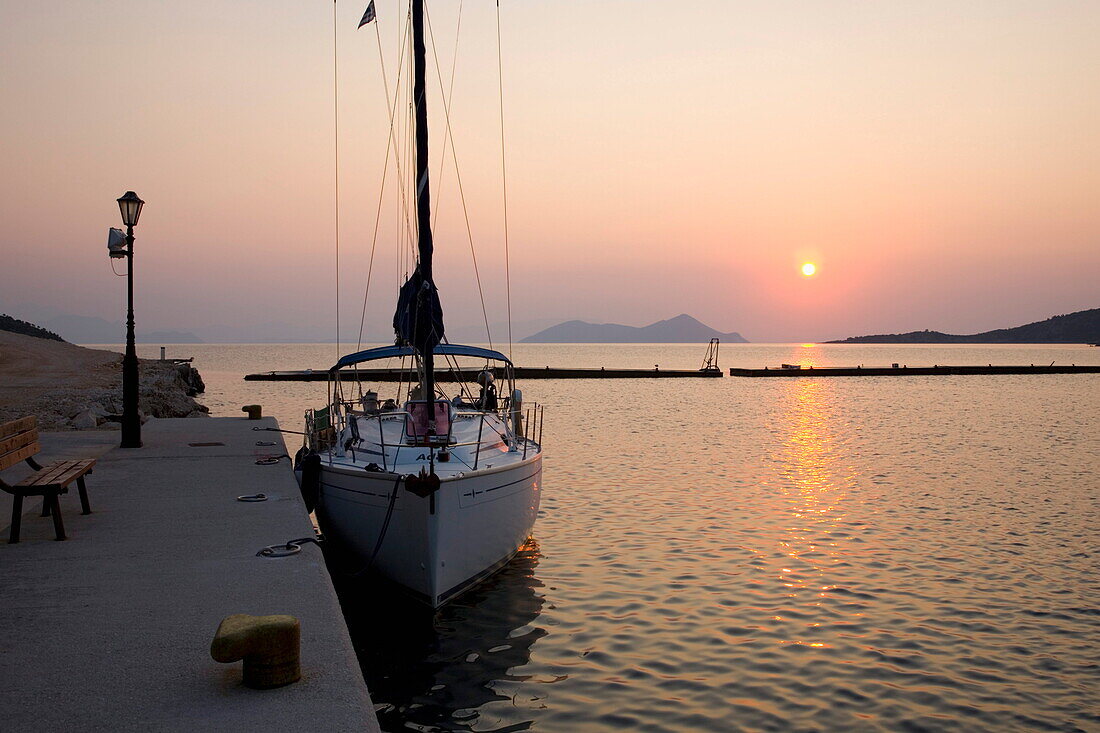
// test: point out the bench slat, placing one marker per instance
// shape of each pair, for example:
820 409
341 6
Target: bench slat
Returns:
61 473
46 475
19 440
10 459
75 471
21 425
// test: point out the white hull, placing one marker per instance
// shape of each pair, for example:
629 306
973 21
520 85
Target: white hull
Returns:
439 546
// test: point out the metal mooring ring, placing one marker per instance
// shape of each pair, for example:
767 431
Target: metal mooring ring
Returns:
280 550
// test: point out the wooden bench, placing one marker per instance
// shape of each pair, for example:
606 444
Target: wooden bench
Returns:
19 442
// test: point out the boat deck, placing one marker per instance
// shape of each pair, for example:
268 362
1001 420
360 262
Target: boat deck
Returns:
478 441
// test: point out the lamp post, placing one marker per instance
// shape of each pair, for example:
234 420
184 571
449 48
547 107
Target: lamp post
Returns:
130 206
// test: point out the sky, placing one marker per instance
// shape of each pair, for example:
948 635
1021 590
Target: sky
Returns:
937 161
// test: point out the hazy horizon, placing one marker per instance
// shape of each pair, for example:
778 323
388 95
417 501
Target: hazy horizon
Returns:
94 331
938 163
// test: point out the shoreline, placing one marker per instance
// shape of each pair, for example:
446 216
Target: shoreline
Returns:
69 387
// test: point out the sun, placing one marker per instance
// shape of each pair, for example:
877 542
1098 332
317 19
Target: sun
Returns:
809 269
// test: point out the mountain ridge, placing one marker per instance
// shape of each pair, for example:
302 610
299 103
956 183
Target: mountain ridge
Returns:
680 329
94 330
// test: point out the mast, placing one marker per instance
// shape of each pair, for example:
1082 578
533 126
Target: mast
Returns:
423 202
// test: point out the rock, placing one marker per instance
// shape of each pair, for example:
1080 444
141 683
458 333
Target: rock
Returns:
166 390
98 412
191 379
84 420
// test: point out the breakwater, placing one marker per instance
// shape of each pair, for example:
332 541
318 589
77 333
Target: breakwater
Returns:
469 375
908 371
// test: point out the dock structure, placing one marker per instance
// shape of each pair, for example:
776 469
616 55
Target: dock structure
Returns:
111 629
908 371
469 375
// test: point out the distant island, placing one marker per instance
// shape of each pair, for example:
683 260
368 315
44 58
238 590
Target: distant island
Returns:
91 330
1082 327
683 329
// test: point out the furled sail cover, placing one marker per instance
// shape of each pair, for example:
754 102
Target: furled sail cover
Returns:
418 321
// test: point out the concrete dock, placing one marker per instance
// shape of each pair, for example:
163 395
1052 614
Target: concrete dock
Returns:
111 629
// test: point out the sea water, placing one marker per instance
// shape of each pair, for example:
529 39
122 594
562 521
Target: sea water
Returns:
873 553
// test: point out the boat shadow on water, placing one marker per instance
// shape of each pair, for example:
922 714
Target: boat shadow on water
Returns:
434 670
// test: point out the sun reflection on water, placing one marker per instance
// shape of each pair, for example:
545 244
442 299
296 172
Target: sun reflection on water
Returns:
815 487
807 355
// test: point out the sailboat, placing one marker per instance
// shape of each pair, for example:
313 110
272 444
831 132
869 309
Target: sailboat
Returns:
437 487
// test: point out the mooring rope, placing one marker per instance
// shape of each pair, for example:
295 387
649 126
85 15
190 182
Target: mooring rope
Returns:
293 547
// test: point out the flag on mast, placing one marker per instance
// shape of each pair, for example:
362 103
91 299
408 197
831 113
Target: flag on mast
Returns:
367 16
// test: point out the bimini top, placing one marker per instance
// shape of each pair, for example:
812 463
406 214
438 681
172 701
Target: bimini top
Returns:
388 352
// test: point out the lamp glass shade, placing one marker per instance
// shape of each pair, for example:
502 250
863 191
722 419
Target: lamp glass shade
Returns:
130 206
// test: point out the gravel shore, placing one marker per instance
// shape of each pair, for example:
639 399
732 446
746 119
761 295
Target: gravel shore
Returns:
71 387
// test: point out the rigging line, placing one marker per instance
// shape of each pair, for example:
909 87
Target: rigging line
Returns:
403 134
410 252
452 368
412 257
447 98
408 241
408 123
401 145
391 141
401 137
377 212
398 152
336 160
504 182
393 110
458 179
454 359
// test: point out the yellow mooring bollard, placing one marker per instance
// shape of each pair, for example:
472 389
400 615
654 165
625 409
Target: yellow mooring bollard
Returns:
269 646
255 412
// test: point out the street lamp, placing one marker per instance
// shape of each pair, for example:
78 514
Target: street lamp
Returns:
130 206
